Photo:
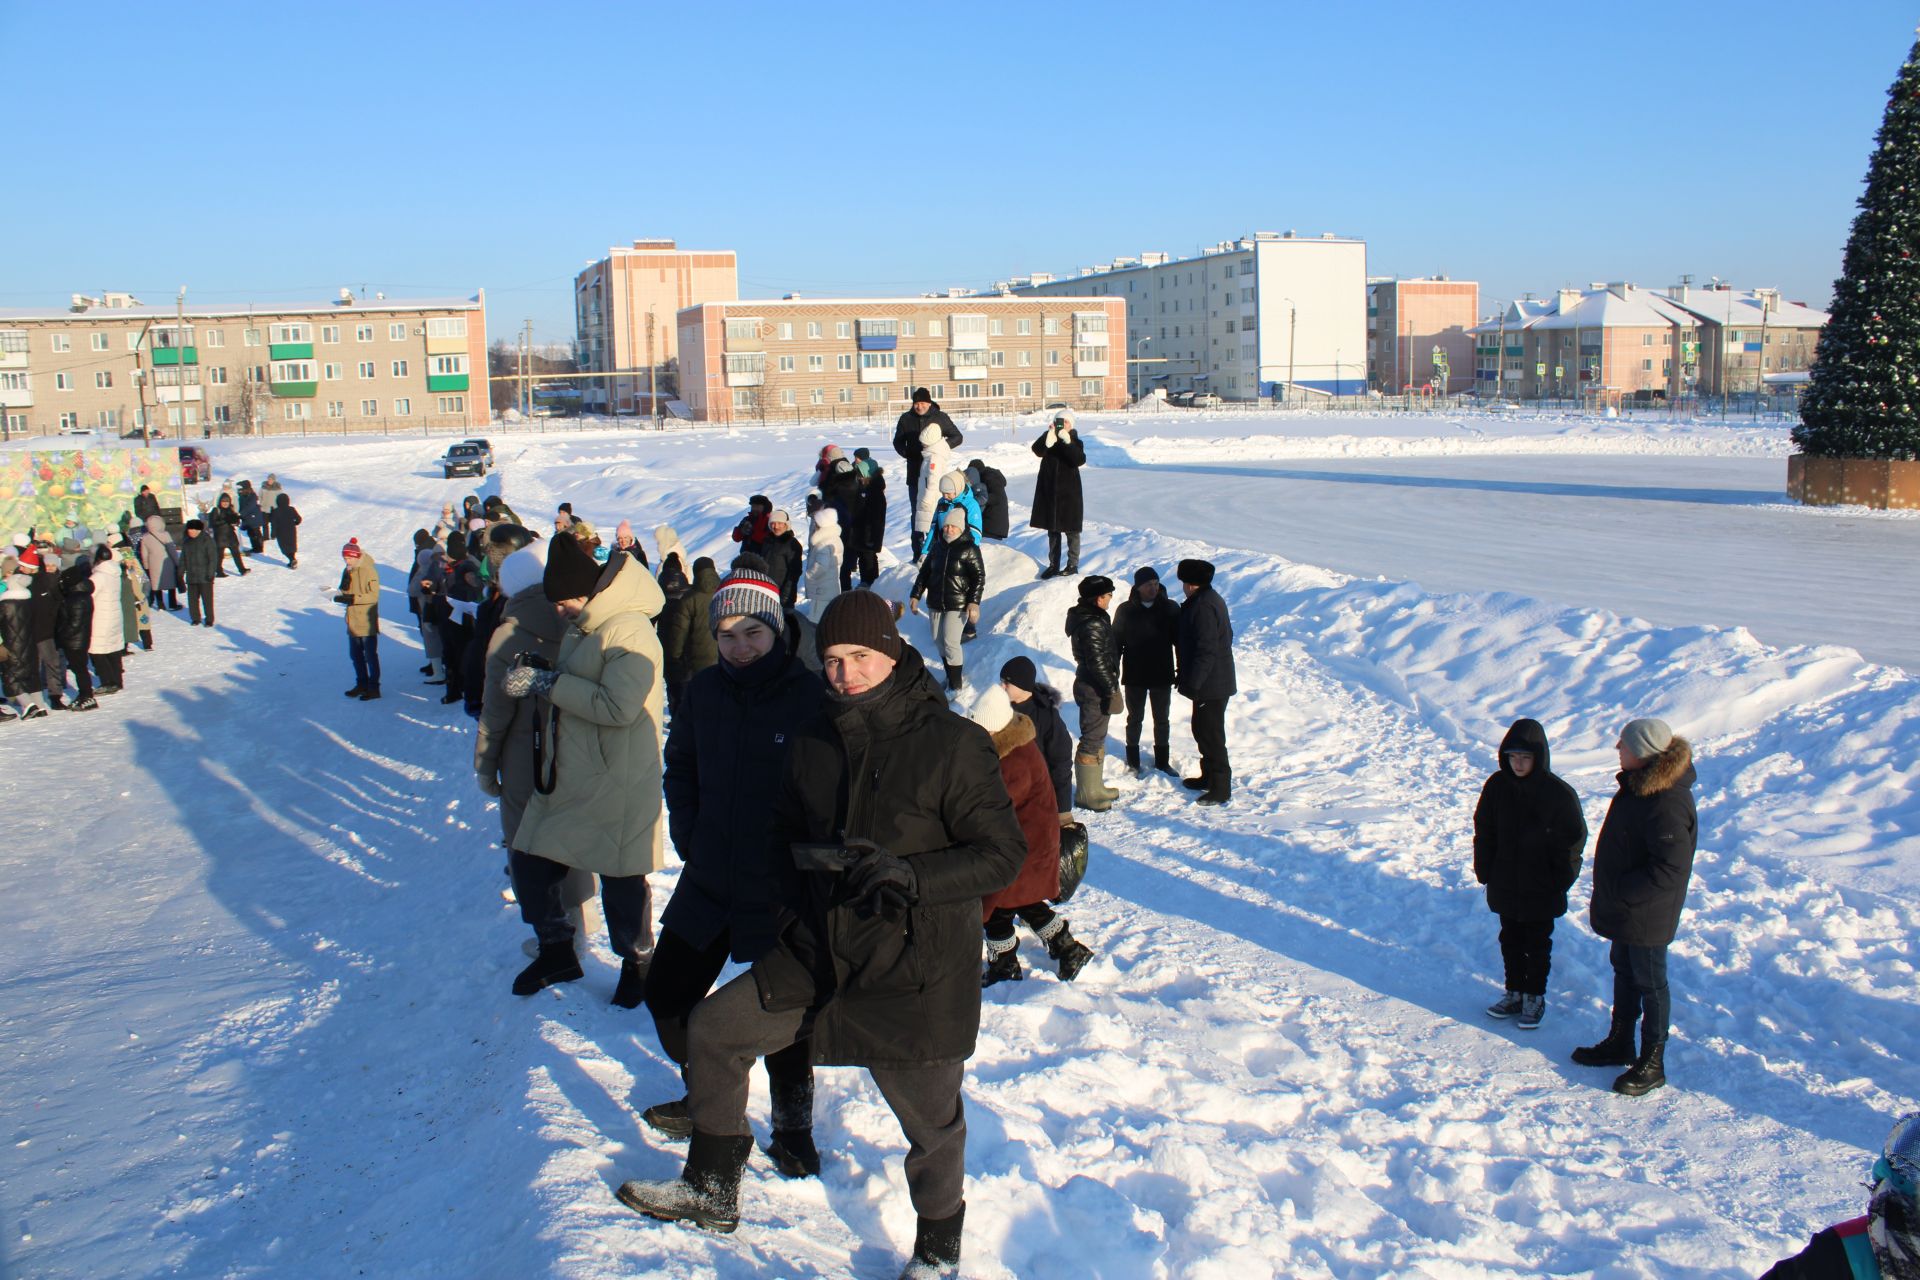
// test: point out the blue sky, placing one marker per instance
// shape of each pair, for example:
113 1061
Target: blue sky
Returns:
269 152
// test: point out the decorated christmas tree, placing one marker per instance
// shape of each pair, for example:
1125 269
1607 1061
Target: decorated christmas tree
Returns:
1864 397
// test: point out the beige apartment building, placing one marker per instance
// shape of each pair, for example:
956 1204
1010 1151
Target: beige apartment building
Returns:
1408 320
112 364
624 309
1622 340
861 358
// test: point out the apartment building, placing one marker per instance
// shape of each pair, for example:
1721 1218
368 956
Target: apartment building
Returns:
624 315
1243 318
1621 339
1409 322
114 364
861 358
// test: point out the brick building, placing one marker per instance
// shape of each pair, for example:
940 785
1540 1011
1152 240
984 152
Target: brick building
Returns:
1407 319
624 309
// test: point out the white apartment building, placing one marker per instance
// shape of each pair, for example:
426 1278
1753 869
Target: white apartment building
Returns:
1244 318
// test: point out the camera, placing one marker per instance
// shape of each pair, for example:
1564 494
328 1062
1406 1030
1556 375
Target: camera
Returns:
533 660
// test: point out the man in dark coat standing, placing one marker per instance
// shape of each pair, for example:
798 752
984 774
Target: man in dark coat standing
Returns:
145 504
1145 629
1642 864
990 491
1205 651
1528 835
199 566
906 437
786 558
868 532
893 823
1057 506
726 749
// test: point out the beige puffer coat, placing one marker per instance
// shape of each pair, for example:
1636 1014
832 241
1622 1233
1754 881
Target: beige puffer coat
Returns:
605 812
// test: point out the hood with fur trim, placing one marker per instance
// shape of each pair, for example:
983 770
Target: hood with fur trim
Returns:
1665 771
1013 735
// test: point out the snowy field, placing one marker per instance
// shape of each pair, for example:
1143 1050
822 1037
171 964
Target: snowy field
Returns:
254 954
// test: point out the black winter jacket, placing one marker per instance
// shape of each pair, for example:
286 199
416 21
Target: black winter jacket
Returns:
223 522
1824 1258
1528 833
199 558
1643 860
952 576
724 758
73 628
870 520
284 522
906 435
21 671
992 495
1096 655
1056 744
1056 493
144 505
840 489
1205 648
898 768
785 558
1146 635
687 645
44 605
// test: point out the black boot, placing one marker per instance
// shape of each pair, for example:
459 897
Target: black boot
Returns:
1069 953
954 677
1614 1051
1195 784
551 964
1219 788
632 987
1162 760
1133 758
1648 1072
356 691
936 1248
670 1118
1003 965
707 1192
792 1149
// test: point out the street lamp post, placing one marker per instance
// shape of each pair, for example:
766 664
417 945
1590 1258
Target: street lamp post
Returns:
1139 343
1293 314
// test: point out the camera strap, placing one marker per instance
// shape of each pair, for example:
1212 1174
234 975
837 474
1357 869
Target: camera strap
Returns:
546 749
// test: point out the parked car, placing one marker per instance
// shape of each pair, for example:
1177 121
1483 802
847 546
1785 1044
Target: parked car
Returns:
76 431
464 460
195 466
486 449
1205 400
1180 399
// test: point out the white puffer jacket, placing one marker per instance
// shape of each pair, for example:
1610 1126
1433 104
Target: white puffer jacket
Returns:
109 622
823 562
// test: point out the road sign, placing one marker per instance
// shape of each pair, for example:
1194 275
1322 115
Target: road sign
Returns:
1559 371
1540 370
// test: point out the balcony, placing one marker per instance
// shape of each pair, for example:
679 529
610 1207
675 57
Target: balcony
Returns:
446 382
173 395
287 351
295 390
178 355
879 341
967 365
1089 368
21 398
878 374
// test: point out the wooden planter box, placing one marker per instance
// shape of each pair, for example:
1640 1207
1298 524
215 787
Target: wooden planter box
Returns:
1853 482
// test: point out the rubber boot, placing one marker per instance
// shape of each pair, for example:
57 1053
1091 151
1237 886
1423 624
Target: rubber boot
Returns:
1614 1051
707 1192
1067 952
1088 790
792 1149
936 1248
1003 962
1648 1072
1100 777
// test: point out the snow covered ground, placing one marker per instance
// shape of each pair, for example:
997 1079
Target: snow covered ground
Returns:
254 956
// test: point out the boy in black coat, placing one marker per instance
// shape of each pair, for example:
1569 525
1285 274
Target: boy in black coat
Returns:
1642 864
1528 835
1146 628
1204 647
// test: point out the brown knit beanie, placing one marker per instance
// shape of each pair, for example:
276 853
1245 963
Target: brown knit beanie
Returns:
859 617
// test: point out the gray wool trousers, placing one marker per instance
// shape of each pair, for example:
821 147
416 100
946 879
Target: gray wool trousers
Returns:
729 1031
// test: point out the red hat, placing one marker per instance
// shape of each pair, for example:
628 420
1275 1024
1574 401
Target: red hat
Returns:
352 550
30 556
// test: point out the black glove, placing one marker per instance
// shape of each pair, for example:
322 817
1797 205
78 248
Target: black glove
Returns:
881 883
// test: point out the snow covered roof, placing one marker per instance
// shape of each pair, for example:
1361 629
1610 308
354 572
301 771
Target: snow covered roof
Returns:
240 310
1631 307
1626 308
1747 306
964 303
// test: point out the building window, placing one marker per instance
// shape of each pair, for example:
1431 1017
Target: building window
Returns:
1646 366
293 371
997 359
909 359
336 408
1023 328
447 327
63 382
251 337
786 331
1053 357
966 391
846 395
99 342
363 333
109 418
103 378
133 340
403 406
443 365
934 330
936 360
1091 386
1053 388
745 329
997 327
330 334
331 372
217 375
399 368
817 396
366 368
453 404
397 331
813 328
906 328
877 395
938 392
369 408
283 333
297 410
1024 359
786 365
844 363
61 342
876 360
788 397
816 364
69 420
213 337
1026 389
1051 326
843 329
996 388
14 382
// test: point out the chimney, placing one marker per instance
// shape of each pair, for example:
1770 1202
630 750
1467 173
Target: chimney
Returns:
1568 300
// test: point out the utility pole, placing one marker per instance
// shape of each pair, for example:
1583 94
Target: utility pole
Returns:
1292 313
527 345
653 373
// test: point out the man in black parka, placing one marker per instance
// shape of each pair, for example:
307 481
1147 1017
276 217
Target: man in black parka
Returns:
1205 651
1145 628
990 491
906 437
878 959
724 754
1642 864
1528 835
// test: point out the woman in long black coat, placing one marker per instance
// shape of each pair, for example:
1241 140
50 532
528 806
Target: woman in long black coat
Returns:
1056 494
1528 836
284 521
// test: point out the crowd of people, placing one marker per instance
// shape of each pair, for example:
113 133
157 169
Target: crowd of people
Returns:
76 605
